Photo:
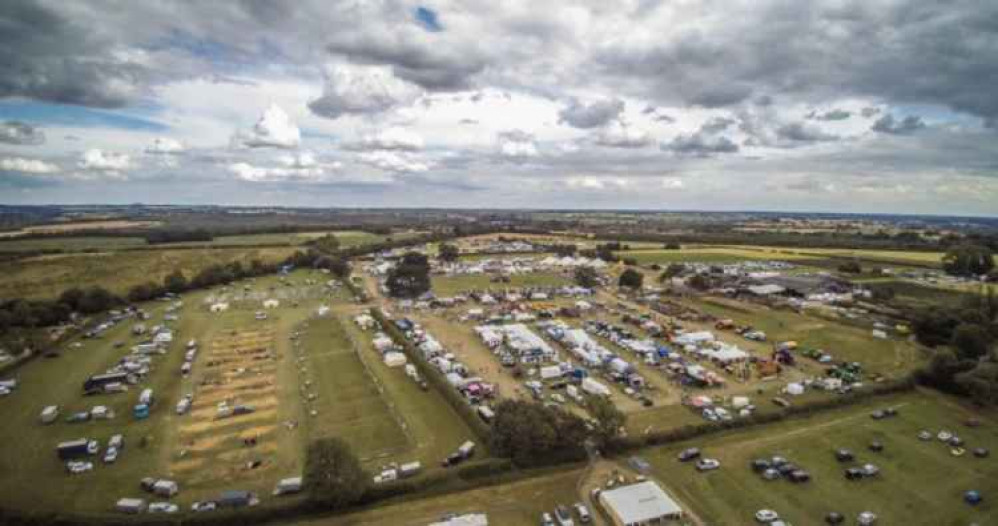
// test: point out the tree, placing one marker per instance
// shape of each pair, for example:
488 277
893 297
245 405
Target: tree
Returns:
673 270
968 260
410 278
327 244
586 277
333 474
97 299
631 279
448 253
980 383
72 297
971 341
144 292
175 282
934 326
609 419
532 434
851 267
671 246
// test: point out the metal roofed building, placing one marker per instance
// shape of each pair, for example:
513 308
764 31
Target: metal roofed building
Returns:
640 504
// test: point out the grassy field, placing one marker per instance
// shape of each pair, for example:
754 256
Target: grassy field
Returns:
883 256
696 254
48 276
352 406
71 244
451 285
845 342
510 504
175 446
920 482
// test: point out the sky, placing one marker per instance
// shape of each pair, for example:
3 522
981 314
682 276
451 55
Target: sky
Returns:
841 106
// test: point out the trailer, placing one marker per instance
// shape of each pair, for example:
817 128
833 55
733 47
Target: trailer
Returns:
77 448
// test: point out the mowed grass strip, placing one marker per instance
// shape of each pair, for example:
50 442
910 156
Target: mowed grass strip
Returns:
349 405
920 482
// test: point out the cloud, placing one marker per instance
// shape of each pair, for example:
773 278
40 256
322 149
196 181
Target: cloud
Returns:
20 133
700 145
671 183
273 130
869 111
299 160
390 161
258 174
591 114
619 134
803 132
596 183
832 115
516 145
110 163
165 146
361 90
716 125
393 138
30 166
905 126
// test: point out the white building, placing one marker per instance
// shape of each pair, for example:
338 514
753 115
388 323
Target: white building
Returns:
640 504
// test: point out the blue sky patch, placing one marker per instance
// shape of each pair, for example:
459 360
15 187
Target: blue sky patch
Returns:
428 19
65 115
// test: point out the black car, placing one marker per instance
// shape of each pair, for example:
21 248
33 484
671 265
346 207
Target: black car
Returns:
855 474
981 452
799 476
835 518
844 455
876 446
760 464
787 469
687 455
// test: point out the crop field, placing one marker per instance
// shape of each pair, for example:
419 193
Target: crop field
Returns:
882 256
451 285
509 504
48 276
920 482
696 254
71 244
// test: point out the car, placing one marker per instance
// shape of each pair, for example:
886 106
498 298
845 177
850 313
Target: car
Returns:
77 467
707 464
944 436
955 441
867 518
563 516
546 519
835 517
75 418
163 507
878 415
981 452
205 505
957 451
687 455
870 470
583 511
891 412
876 446
766 516
924 435
111 455
799 476
778 461
770 474
844 455
147 484
117 442
760 464
854 473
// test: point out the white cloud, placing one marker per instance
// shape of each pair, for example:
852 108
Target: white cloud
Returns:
22 165
104 161
516 144
671 183
393 138
165 145
597 183
299 160
273 130
251 173
394 162
353 89
620 134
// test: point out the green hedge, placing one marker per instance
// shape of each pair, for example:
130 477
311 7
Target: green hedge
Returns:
435 378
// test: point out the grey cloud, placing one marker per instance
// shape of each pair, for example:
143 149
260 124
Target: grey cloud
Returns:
698 145
869 111
801 132
591 114
716 125
905 126
20 133
833 115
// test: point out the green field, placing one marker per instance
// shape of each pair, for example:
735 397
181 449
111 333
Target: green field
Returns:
892 357
47 276
451 285
696 254
71 244
920 482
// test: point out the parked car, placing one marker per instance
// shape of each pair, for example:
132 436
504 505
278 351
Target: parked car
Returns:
77 467
563 515
924 435
760 464
981 452
205 505
687 455
766 516
163 507
866 518
546 519
707 464
583 511
111 455
799 476
844 455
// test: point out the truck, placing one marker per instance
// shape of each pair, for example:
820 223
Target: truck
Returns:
96 383
73 449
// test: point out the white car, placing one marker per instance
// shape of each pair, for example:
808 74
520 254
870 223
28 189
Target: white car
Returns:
707 464
766 516
206 505
583 512
163 507
866 518
77 467
111 455
546 519
944 436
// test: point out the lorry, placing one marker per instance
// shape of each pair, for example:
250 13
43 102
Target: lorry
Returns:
79 448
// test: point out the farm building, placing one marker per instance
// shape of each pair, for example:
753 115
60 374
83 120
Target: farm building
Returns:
639 504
